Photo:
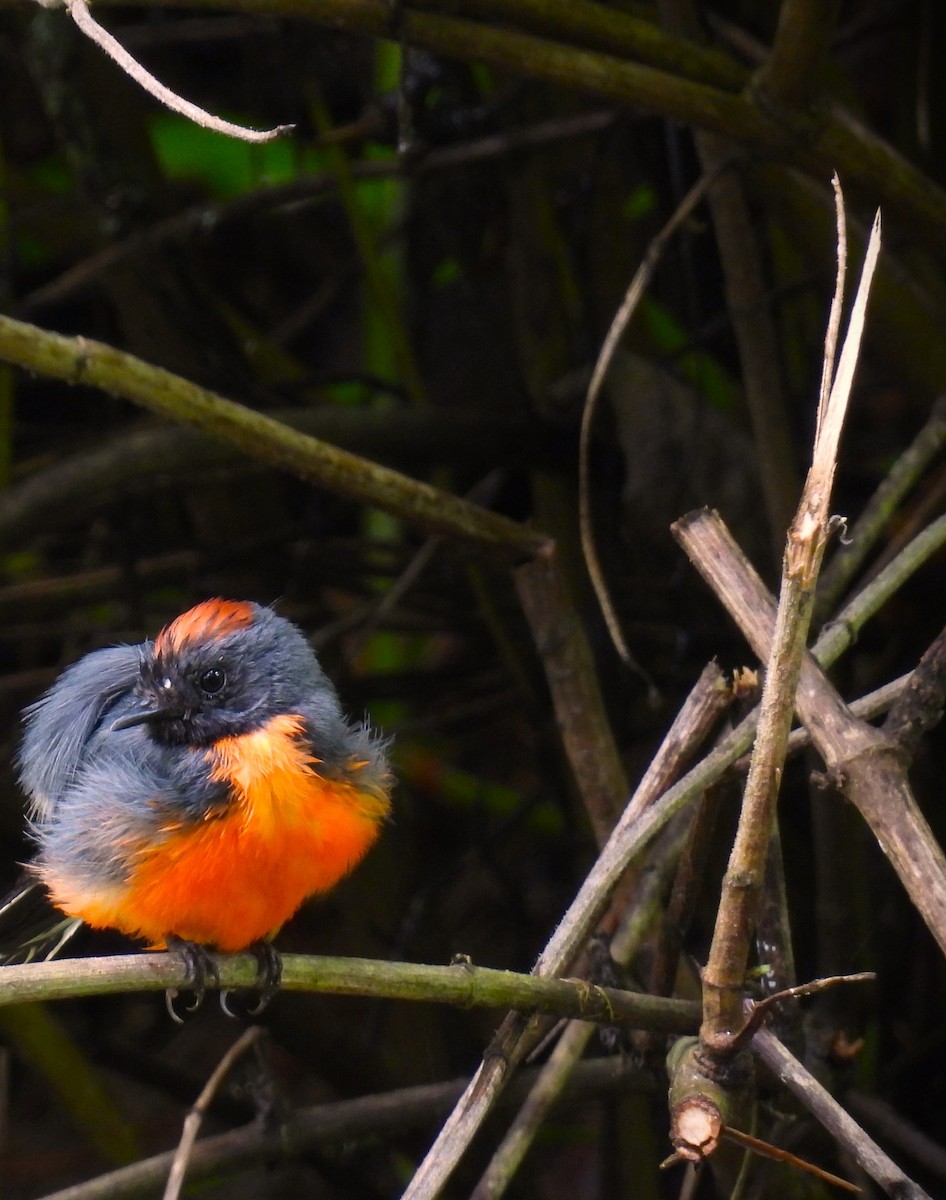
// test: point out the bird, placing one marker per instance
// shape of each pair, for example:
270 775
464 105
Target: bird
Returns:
194 790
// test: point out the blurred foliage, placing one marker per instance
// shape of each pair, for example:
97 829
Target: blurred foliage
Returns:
443 235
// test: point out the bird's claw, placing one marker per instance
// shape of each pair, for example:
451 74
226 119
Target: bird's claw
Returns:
268 976
201 972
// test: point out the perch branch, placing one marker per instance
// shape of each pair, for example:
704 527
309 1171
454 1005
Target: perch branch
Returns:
462 984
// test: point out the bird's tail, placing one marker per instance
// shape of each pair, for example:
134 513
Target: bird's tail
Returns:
30 926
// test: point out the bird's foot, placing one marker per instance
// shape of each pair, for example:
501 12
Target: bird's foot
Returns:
268 976
201 972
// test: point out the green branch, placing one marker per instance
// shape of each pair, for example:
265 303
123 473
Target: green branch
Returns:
460 984
94 364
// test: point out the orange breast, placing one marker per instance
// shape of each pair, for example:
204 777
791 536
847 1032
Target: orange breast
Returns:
236 876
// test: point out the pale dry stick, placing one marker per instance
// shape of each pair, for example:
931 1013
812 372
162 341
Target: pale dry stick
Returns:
837 301
194 1118
692 725
622 318
79 11
724 974
867 765
842 1127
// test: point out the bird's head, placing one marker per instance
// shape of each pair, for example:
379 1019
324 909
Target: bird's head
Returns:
224 668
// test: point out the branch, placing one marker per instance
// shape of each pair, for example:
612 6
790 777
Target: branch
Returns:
724 975
336 1123
576 694
461 984
94 364
794 74
79 11
868 766
822 1105
836 141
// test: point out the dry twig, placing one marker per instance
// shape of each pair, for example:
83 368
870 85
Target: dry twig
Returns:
725 970
192 1122
79 11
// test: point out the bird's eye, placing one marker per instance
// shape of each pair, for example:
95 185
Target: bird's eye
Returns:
211 681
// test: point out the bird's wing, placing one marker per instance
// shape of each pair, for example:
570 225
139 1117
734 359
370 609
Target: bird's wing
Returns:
60 724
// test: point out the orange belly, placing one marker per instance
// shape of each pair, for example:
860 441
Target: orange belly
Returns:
237 875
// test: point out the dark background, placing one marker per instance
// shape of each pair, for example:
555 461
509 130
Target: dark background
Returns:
440 307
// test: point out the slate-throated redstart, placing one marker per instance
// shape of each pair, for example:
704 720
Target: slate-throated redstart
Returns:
199 787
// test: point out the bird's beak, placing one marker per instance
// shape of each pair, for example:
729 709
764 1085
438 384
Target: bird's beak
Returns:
146 716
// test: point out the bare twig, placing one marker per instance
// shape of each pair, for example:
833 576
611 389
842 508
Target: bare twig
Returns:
725 969
79 11
194 1118
757 1010
619 324
822 1105
766 1150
